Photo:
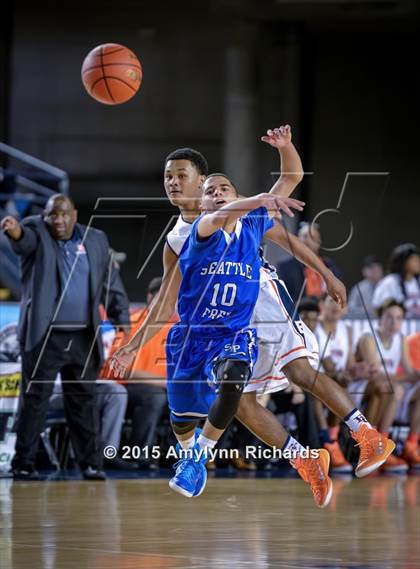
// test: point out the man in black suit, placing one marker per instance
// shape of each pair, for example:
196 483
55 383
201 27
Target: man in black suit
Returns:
67 272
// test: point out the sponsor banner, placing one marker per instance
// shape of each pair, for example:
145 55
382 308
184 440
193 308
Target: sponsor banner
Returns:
10 376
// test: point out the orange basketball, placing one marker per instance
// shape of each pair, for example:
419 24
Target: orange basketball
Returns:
111 74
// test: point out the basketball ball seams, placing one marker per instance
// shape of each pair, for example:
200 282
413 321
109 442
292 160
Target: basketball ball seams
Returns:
121 81
114 51
93 89
104 78
108 64
95 83
110 77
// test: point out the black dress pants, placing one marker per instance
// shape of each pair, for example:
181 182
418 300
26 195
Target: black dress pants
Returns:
146 406
68 353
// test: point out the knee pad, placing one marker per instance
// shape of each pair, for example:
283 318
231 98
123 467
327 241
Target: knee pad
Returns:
232 375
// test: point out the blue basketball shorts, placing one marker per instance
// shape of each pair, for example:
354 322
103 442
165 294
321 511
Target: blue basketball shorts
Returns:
191 367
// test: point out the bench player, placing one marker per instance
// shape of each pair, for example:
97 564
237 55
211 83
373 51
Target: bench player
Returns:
390 395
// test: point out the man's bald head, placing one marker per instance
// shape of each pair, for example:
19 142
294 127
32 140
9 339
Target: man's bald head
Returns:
58 198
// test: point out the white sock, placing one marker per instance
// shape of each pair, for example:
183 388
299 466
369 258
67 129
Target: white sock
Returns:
187 443
205 443
355 419
293 446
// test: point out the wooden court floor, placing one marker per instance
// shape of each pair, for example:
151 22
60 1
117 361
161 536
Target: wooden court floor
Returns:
236 523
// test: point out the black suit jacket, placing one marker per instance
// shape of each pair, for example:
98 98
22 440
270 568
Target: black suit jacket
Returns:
41 265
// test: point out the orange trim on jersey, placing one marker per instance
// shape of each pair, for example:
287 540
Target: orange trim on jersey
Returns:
290 352
269 378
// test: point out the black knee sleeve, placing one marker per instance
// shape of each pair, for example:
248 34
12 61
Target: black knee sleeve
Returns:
182 427
233 376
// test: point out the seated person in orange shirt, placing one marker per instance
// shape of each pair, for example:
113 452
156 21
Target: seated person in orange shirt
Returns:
413 345
301 280
146 387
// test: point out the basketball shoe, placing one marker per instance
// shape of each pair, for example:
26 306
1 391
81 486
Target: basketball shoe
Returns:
411 454
338 463
394 464
314 471
191 473
375 448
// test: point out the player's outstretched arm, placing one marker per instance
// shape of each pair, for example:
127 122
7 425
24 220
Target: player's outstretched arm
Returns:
291 169
161 310
231 212
295 247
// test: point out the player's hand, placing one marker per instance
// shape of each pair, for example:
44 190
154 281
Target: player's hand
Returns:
343 378
361 370
277 203
121 360
12 226
337 291
278 137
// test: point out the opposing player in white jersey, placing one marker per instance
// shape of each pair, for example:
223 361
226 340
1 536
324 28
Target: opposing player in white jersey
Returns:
337 360
389 394
184 175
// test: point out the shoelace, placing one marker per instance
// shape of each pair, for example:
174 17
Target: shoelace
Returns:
188 468
365 451
317 477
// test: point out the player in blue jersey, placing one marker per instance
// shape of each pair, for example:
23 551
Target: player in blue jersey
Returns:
213 343
185 170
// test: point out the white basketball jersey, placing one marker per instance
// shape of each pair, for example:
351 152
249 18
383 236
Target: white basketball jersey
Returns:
391 356
338 345
178 235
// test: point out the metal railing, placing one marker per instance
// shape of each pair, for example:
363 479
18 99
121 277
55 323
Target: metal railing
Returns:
31 191
61 176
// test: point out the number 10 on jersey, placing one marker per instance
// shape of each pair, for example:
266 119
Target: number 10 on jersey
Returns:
227 294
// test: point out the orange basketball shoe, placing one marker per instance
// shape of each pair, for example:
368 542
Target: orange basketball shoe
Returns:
314 471
374 449
338 463
411 454
394 464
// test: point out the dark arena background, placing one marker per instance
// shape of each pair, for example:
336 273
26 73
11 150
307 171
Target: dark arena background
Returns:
85 456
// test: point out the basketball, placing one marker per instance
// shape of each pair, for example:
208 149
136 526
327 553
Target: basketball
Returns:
111 74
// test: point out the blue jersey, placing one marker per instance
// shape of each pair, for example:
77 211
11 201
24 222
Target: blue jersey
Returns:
221 276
